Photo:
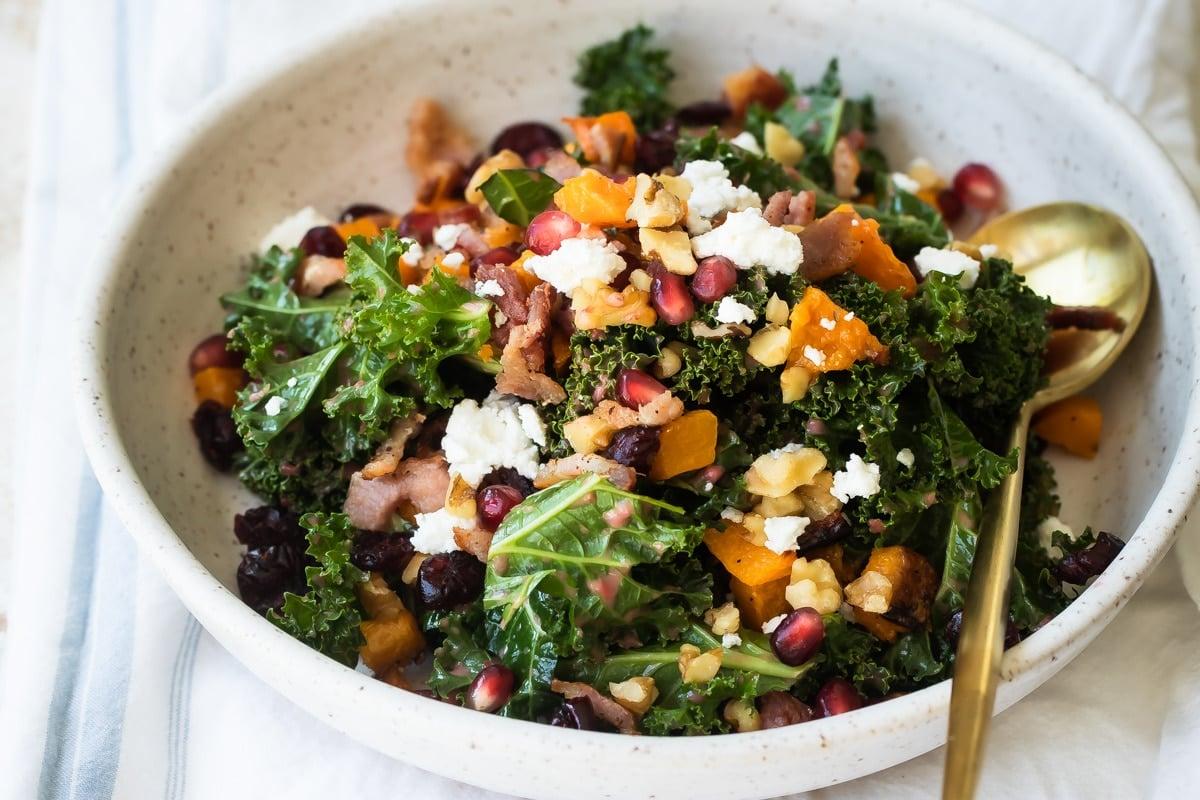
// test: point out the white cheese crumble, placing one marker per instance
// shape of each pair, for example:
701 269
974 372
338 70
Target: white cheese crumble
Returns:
950 262
849 316
446 236
906 457
730 310
275 405
729 640
817 357
712 193
905 183
575 261
288 232
828 323
292 381
480 438
859 479
989 250
435 532
774 622
413 288
453 260
747 142
489 288
499 317
746 239
1047 529
412 256
733 515
531 423
782 532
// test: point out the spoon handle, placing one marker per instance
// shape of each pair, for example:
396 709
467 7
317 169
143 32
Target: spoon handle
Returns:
981 640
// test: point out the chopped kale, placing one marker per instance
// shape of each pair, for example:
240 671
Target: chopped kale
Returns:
627 74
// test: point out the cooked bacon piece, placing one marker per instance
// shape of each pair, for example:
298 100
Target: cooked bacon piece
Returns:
561 166
662 409
523 360
801 209
558 470
515 300
830 246
370 504
777 207
438 151
387 456
1084 318
474 540
845 169
606 708
318 273
473 242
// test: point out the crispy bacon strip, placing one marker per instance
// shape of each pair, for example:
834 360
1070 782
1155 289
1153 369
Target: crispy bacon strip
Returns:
388 456
563 469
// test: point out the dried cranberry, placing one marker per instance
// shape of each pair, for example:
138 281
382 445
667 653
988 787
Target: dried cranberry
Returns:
267 525
376 551
323 240
978 187
548 229
635 388
833 528
212 352
494 503
950 205
1077 568
954 627
669 296
217 435
779 709
360 210
715 276
634 446
576 713
507 476
526 138
418 225
837 696
491 688
704 112
496 256
655 150
449 579
267 572
798 637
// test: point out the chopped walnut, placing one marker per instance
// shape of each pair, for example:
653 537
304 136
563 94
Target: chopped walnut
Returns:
872 592
698 667
817 498
588 434
636 694
742 716
781 471
460 498
814 585
653 205
794 383
723 619
597 306
771 345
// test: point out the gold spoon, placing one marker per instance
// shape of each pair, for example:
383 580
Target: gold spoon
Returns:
1077 255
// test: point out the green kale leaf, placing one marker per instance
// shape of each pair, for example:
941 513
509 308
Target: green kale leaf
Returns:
519 195
627 74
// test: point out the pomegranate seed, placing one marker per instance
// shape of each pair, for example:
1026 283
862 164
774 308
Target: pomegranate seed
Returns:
494 503
798 637
496 256
323 240
547 230
418 225
466 213
978 187
1076 568
491 688
669 296
949 205
838 696
211 352
714 277
636 388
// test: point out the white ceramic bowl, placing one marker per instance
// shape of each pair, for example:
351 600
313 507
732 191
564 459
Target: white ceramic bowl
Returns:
326 129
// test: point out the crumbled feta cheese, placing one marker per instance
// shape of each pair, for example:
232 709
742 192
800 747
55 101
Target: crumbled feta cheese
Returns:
412 256
748 240
712 193
446 236
733 515
288 232
575 261
1047 529
730 310
747 142
413 288
435 532
489 288
849 316
774 622
950 262
480 438
453 260
989 250
906 457
729 640
275 405
859 479
292 381
499 317
531 423
817 357
782 532
828 323
905 183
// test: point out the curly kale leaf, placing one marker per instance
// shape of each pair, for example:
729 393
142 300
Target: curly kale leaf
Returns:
462 653
762 174
326 617
627 74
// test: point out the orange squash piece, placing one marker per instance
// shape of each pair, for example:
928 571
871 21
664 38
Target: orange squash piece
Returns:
847 341
879 626
560 349
219 384
913 586
616 127
594 199
392 636
1073 424
527 278
876 262
501 234
685 444
363 226
753 85
750 563
757 604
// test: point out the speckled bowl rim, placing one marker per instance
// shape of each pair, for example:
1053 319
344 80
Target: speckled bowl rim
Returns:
232 623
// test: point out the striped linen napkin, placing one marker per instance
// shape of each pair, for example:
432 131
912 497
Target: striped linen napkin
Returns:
113 690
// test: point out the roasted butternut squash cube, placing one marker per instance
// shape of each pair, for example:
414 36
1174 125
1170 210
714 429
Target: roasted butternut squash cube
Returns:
757 604
910 584
750 563
1074 424
685 444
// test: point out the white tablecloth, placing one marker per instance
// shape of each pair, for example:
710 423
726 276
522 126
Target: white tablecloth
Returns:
113 690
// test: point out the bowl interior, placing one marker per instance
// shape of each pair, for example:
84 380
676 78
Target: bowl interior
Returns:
330 131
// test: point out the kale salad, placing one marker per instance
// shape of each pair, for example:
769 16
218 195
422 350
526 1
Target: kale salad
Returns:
678 423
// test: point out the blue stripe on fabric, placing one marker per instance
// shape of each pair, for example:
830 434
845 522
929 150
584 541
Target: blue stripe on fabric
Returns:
180 710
